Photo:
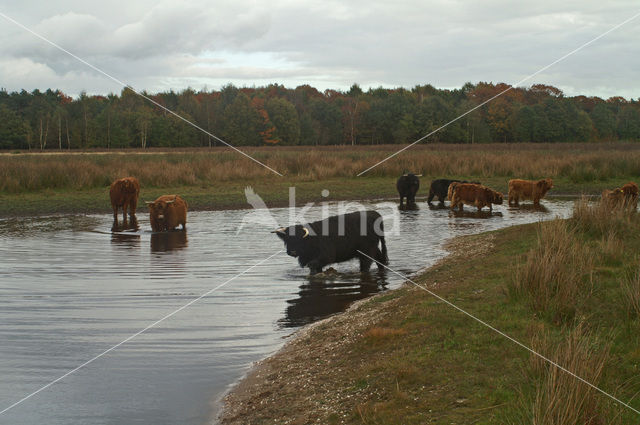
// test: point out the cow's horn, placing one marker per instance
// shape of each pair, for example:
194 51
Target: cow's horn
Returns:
418 175
306 232
170 202
279 230
148 202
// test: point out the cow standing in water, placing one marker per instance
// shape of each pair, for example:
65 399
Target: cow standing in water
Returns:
336 239
474 194
528 189
442 189
124 193
408 185
167 212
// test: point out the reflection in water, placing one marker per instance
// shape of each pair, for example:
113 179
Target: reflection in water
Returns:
125 225
126 240
529 208
475 214
168 241
438 206
409 207
170 375
319 298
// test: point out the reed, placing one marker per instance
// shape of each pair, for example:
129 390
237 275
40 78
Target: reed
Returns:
556 274
576 163
601 220
560 398
630 286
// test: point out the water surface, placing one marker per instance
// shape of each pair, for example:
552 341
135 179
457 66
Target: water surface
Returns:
70 289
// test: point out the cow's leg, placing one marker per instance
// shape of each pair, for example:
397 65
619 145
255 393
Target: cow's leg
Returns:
380 259
114 227
124 213
365 260
431 196
132 208
401 199
315 267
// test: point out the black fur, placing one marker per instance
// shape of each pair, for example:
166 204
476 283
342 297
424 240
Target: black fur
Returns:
440 187
337 239
408 186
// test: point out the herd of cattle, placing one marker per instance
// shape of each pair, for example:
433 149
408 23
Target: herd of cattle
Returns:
460 192
355 235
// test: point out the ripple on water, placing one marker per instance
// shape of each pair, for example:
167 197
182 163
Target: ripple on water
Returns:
70 289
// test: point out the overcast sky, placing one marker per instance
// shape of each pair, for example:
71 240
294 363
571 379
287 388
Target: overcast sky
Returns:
161 45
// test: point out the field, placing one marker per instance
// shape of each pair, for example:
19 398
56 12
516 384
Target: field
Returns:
67 182
569 289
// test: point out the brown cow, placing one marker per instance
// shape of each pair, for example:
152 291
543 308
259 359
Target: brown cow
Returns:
167 212
528 189
625 196
124 193
474 194
452 186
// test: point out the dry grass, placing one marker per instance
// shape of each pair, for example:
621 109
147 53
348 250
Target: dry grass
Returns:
380 333
556 273
631 293
601 220
560 398
575 162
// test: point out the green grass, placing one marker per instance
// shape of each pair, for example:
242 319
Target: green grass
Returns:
215 178
230 194
425 362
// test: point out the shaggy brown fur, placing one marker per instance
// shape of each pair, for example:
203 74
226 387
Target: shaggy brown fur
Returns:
625 196
474 194
124 193
528 190
167 212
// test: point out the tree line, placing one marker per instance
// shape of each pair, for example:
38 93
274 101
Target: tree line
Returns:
275 115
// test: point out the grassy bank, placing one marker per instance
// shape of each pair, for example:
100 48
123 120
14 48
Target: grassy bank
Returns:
569 289
32 183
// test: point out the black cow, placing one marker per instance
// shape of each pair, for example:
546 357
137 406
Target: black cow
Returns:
439 188
408 185
336 239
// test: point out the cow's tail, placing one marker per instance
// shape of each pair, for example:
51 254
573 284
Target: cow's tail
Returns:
385 257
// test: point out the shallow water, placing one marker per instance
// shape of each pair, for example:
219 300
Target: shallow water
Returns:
70 289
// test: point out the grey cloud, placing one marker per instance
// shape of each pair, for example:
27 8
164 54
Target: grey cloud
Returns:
329 44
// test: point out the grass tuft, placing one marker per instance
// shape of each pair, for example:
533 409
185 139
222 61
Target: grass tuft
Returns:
559 397
556 273
630 286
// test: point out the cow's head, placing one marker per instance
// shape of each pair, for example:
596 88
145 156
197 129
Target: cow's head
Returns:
630 189
158 208
128 185
544 185
496 197
295 238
